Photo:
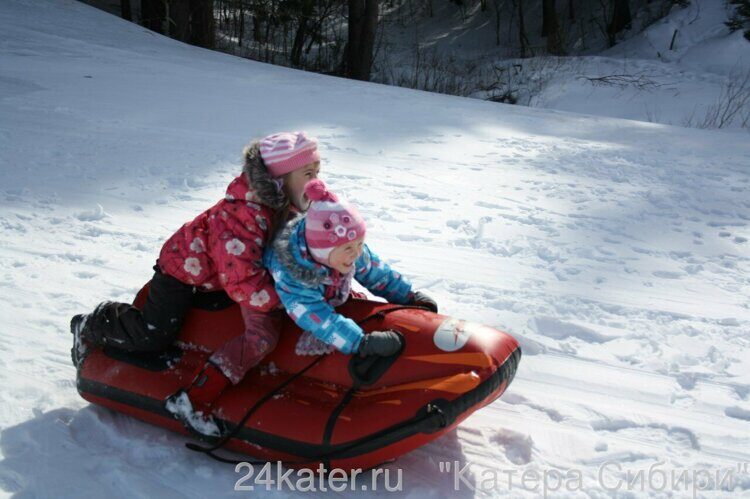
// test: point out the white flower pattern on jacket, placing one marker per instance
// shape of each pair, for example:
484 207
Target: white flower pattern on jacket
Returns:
193 266
260 298
235 247
198 245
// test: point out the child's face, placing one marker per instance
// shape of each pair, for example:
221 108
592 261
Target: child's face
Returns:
342 257
294 184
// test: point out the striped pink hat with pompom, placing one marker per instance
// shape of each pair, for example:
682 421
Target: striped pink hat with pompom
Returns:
287 151
330 221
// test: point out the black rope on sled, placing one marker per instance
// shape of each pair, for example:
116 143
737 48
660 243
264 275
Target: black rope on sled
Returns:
209 450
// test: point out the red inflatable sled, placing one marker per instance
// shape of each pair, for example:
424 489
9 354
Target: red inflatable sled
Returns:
306 405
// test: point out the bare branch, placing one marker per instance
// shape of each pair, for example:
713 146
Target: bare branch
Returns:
641 81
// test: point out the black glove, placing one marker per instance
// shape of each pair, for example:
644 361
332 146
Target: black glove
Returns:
382 343
422 299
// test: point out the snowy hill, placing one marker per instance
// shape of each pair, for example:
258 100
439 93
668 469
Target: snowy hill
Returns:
675 71
678 71
616 251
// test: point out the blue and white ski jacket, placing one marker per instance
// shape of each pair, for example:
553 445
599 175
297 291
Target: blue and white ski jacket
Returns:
309 290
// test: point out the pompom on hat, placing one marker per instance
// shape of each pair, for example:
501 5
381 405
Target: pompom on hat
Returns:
330 221
288 151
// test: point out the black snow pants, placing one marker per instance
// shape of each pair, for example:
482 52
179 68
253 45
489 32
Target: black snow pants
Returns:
155 327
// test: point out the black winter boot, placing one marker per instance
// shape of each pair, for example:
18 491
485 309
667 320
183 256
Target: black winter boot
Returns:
80 346
88 329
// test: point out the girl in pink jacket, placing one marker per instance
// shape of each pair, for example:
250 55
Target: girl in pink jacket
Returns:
217 254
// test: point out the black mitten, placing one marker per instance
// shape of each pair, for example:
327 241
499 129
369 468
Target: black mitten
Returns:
422 299
381 343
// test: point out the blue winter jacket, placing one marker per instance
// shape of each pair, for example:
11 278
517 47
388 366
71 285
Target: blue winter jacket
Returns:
301 283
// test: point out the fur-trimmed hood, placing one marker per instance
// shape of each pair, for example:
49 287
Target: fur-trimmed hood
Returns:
266 189
288 245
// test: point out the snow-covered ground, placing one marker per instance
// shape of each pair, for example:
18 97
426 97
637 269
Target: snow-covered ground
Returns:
616 251
678 86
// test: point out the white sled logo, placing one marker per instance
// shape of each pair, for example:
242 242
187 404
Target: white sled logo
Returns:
453 334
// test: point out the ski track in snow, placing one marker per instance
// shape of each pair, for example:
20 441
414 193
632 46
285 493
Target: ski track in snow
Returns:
616 251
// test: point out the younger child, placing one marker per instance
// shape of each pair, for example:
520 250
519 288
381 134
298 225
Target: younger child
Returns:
220 250
313 260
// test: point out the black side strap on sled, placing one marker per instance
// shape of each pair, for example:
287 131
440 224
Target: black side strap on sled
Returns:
223 440
365 374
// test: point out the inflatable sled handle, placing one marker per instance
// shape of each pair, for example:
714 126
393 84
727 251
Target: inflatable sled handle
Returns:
367 370
223 440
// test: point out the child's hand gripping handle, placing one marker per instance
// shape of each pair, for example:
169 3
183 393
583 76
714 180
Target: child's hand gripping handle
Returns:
380 343
420 298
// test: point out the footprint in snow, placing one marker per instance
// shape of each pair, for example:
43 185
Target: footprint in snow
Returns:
666 274
413 237
737 413
559 330
681 400
515 399
653 432
742 391
92 215
518 447
693 268
686 380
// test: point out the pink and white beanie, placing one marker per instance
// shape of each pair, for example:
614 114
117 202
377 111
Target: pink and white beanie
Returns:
287 151
330 221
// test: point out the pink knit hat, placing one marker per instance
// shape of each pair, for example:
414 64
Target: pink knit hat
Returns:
287 151
330 221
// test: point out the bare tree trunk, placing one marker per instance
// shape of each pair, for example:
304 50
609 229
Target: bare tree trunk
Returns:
242 23
285 38
299 41
497 23
369 30
179 13
548 12
153 14
363 23
258 16
550 27
202 23
522 30
125 11
353 43
305 13
235 23
571 11
621 19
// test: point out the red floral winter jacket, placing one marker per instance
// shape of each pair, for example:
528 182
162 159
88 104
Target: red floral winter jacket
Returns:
222 248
